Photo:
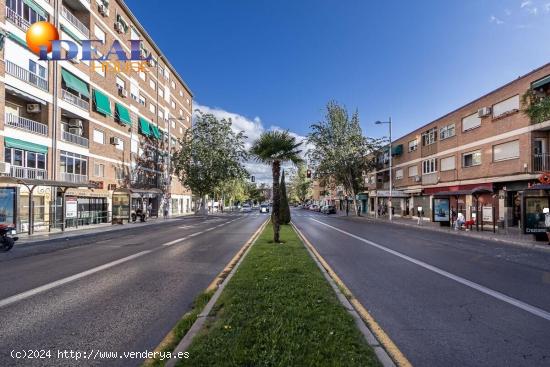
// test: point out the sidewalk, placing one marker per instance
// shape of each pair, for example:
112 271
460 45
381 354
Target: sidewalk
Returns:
25 238
510 235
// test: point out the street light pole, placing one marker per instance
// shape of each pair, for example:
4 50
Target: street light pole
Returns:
391 174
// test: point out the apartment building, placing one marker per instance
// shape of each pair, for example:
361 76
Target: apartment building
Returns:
84 143
483 154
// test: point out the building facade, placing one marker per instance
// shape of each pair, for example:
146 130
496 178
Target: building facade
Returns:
85 142
483 154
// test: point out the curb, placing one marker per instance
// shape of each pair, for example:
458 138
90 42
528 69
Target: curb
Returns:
387 352
219 284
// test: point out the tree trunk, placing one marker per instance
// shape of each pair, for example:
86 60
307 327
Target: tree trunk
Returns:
276 171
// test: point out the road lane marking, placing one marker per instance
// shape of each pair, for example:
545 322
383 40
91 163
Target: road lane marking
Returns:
57 283
488 291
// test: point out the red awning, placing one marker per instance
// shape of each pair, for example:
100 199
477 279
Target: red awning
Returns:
435 190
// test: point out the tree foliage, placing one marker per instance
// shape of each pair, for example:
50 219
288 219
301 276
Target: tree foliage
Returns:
537 106
273 148
341 155
300 185
211 153
284 211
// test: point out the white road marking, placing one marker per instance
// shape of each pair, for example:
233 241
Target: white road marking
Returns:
500 296
195 234
57 283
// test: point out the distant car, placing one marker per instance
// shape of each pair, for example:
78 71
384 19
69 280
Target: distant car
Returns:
314 208
264 208
328 209
246 208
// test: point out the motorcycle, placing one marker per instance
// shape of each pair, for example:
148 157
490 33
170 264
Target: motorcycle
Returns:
6 239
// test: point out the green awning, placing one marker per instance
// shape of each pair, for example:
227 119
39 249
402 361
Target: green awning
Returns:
37 8
155 131
25 145
71 34
102 104
144 126
123 114
75 83
541 82
18 40
397 150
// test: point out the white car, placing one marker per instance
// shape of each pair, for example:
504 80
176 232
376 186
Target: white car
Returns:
264 208
246 208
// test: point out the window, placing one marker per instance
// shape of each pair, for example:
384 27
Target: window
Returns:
188 118
120 83
429 137
471 159
134 146
413 171
506 151
134 90
99 34
24 11
173 124
99 137
152 84
23 158
152 108
37 69
399 174
173 84
471 122
161 114
173 104
120 145
188 101
161 92
161 70
413 145
73 163
119 173
506 107
181 130
181 93
447 131
142 99
99 170
134 35
447 164
429 166
142 75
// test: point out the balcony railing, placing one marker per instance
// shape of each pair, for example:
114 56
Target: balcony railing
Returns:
541 162
65 13
22 123
75 139
72 177
75 100
429 179
32 173
17 19
25 75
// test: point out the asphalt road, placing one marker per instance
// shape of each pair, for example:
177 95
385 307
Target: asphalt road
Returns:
119 291
444 300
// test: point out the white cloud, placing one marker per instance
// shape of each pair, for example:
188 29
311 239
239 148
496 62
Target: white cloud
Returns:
526 3
547 7
252 128
495 20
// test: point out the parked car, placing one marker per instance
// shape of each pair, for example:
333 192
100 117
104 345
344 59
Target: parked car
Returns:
246 208
314 208
264 208
328 209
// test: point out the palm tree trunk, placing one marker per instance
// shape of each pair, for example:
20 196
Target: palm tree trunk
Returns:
276 171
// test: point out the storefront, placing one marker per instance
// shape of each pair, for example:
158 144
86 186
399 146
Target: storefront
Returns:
126 202
533 202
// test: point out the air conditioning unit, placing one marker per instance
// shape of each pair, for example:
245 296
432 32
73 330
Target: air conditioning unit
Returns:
75 131
122 92
417 178
114 140
103 10
33 108
119 27
485 111
75 123
5 168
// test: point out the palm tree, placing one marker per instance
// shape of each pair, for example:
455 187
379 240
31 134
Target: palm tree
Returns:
274 148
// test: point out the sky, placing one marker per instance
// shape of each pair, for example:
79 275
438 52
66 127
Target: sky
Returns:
275 64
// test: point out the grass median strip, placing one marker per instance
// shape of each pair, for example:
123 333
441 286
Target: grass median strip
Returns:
278 310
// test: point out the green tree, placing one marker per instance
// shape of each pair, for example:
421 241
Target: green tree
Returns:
284 210
340 153
300 185
273 148
210 154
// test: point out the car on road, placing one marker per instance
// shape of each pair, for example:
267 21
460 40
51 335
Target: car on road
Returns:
264 208
314 208
246 208
328 209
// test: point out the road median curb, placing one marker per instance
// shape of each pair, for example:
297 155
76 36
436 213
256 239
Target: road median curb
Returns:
386 350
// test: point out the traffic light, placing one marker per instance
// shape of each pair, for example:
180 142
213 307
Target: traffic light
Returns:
308 174
252 178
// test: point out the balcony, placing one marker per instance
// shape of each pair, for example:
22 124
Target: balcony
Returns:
75 139
75 100
31 173
66 13
22 123
26 76
17 19
430 178
72 177
541 162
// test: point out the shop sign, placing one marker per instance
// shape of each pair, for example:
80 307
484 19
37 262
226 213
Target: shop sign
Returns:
487 213
71 206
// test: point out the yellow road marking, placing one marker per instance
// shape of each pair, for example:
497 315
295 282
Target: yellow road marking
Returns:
383 338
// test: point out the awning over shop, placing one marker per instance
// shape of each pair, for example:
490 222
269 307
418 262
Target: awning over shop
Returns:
123 114
138 192
75 83
541 82
144 126
25 145
32 182
102 103
394 194
156 132
475 192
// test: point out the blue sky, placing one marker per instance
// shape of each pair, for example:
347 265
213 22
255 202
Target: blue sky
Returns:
277 63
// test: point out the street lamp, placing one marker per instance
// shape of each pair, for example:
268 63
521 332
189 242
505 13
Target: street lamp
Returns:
391 181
